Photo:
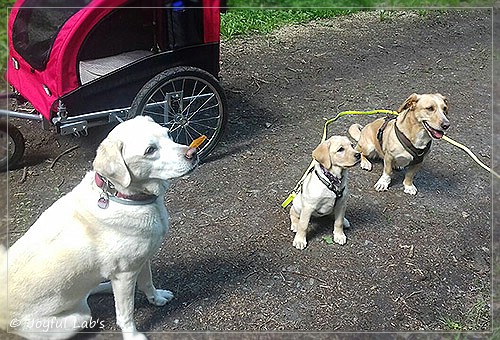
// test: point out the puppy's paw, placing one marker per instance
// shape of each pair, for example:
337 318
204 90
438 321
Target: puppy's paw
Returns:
383 183
365 164
299 242
346 223
339 238
410 189
161 297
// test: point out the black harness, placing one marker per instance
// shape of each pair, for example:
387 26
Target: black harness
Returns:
331 181
417 154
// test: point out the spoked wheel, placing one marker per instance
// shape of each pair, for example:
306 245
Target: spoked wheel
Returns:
188 101
11 146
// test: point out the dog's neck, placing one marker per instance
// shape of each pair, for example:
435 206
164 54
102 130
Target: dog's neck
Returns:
111 192
335 171
412 129
332 178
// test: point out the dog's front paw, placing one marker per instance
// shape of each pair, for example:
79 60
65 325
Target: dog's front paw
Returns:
299 242
411 189
339 238
383 183
161 297
381 186
365 164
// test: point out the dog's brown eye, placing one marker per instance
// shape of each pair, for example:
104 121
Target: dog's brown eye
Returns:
150 150
430 108
340 150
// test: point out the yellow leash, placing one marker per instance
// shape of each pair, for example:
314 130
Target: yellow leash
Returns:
290 197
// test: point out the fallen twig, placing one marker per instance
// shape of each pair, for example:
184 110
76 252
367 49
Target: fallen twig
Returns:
414 293
305 275
25 173
62 154
259 79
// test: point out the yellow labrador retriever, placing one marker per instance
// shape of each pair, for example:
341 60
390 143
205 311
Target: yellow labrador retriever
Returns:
107 228
403 141
324 191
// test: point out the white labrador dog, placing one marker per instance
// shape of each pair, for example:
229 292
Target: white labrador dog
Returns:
107 228
324 189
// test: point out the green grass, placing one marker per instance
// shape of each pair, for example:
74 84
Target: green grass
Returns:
452 325
247 17
4 4
476 317
241 22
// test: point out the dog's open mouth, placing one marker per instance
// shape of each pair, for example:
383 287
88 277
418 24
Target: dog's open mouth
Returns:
438 134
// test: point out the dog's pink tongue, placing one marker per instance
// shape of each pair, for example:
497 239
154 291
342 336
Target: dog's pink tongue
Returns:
191 152
437 134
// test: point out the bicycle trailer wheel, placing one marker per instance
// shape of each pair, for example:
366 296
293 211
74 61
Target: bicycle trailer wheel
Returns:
12 146
189 102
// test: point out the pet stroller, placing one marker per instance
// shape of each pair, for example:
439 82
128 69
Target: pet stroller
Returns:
84 63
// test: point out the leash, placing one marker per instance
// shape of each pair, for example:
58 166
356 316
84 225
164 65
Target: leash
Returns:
292 195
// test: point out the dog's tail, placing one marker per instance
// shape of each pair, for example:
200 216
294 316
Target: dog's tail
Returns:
355 131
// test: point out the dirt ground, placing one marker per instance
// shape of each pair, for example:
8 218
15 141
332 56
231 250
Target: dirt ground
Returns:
413 266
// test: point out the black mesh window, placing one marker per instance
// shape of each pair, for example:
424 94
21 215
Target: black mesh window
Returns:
37 25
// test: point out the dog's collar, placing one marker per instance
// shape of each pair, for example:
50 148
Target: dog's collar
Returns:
417 154
331 181
110 193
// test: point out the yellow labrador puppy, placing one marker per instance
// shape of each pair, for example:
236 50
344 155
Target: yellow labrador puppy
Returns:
107 228
324 191
403 142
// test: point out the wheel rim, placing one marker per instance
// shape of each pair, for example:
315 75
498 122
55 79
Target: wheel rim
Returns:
188 106
7 147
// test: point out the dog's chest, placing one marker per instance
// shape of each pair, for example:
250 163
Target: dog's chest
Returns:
402 160
322 200
133 239
325 205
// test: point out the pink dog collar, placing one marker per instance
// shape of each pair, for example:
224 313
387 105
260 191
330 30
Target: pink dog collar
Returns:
116 196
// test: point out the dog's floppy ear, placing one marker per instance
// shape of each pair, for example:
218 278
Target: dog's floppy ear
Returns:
445 100
442 97
322 154
109 162
409 102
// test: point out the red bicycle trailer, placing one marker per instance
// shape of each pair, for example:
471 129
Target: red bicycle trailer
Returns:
85 63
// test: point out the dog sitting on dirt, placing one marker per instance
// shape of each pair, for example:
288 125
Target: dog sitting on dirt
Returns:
324 189
403 142
107 228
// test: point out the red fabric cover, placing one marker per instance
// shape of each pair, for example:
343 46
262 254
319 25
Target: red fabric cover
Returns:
211 20
60 75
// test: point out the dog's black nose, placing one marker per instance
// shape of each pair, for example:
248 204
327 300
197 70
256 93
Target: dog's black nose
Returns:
191 153
445 125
